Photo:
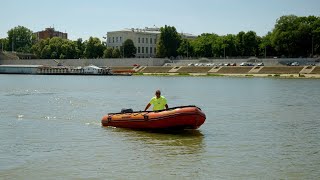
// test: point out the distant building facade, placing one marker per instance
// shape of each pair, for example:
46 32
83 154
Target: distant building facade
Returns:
50 33
145 40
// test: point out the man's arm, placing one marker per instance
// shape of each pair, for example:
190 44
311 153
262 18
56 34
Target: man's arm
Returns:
147 107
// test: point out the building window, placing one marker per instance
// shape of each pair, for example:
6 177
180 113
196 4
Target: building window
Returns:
142 49
116 47
150 40
117 39
146 50
120 39
138 49
138 40
109 40
113 39
155 41
142 40
155 50
147 40
150 50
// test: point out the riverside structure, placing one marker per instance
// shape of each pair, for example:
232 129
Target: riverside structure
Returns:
145 40
54 70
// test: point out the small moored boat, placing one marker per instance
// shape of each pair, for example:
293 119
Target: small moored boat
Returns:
182 117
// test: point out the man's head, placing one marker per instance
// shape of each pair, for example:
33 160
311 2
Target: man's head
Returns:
158 93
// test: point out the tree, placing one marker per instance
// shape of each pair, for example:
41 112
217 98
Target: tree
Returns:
230 45
265 46
169 42
116 53
185 49
80 48
295 36
250 41
20 39
203 44
4 44
38 47
107 53
56 48
240 43
128 49
315 36
93 48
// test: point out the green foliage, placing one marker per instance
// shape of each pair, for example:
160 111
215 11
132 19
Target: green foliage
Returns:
169 42
185 49
265 46
128 49
294 36
229 45
56 48
80 48
4 44
116 53
138 74
20 39
213 45
211 74
183 74
107 53
93 48
203 45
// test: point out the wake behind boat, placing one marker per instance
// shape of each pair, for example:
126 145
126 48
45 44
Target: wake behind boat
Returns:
182 117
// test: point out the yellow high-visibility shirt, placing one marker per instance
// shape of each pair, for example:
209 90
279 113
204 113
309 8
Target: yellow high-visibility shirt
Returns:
158 103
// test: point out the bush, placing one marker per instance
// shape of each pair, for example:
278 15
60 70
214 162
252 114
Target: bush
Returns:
138 73
215 74
183 74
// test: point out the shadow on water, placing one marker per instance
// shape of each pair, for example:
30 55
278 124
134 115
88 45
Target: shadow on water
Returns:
184 141
159 132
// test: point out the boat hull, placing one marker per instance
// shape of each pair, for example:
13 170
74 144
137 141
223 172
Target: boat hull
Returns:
184 117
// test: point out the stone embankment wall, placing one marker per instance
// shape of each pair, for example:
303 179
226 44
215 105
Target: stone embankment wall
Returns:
157 61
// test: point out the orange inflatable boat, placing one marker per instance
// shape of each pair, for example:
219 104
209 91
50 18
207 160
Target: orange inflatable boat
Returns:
182 117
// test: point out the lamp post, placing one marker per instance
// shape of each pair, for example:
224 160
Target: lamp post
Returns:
12 42
312 46
187 49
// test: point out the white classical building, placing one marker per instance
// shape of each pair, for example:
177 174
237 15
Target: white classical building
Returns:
145 40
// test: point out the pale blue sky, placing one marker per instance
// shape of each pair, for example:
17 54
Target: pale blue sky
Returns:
82 19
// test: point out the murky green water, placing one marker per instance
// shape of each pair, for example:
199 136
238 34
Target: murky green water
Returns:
256 128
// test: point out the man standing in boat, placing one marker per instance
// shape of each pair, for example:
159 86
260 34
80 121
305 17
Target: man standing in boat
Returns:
159 102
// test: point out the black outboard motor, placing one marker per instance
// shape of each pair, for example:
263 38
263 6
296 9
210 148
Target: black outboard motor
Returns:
124 110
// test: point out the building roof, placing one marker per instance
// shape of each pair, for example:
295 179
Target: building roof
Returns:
153 30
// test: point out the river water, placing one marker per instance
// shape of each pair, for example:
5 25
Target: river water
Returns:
256 128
